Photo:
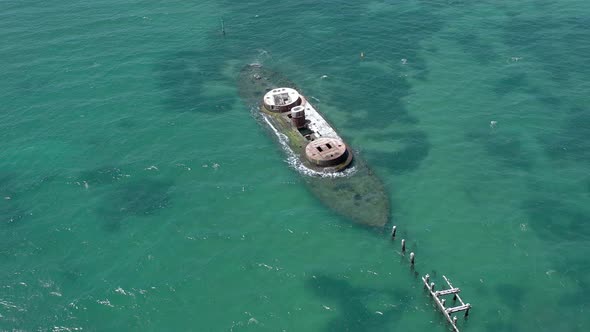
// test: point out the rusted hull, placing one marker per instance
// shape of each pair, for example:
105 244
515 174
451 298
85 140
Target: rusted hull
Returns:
359 196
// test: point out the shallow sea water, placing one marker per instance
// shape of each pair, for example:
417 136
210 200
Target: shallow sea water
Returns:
139 193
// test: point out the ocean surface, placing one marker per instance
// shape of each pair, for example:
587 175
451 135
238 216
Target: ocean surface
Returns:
138 192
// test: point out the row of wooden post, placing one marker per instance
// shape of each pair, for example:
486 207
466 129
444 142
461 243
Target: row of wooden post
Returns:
435 294
412 255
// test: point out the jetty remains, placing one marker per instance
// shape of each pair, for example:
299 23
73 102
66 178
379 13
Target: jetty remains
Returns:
438 297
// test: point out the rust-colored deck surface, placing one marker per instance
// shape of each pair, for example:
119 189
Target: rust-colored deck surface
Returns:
326 151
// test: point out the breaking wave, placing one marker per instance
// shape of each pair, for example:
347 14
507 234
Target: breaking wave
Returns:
295 163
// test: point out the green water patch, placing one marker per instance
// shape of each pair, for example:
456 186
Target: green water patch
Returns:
574 298
414 147
517 81
100 176
512 82
135 198
17 194
11 214
185 77
505 146
380 112
354 313
555 42
413 24
126 192
497 323
511 295
570 142
556 220
473 43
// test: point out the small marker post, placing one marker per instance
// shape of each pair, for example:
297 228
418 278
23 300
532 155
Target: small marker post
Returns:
393 230
403 245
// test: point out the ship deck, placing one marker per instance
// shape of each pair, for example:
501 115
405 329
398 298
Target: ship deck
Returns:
317 124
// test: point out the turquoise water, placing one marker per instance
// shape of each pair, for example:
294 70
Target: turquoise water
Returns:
138 193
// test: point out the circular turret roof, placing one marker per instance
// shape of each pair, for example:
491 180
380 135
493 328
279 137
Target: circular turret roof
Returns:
326 151
281 97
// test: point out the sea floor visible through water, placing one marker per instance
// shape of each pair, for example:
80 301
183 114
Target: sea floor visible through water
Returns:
138 192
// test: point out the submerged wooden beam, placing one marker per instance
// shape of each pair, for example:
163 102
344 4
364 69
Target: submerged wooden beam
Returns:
458 308
447 291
